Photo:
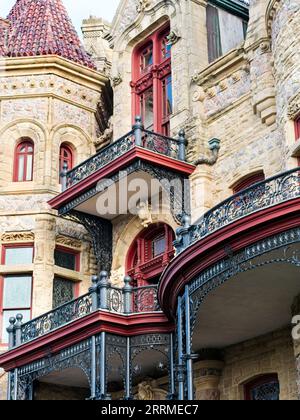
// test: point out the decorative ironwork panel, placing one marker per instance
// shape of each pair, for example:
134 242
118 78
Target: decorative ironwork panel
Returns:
63 291
101 159
265 392
56 318
115 300
273 191
77 356
100 231
145 299
160 144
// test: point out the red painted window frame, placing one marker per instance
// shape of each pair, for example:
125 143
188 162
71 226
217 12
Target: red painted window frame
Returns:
261 380
153 78
62 158
297 128
24 141
77 265
248 182
3 256
141 265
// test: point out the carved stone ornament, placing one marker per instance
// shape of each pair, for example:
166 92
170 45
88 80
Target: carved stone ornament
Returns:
116 80
107 135
68 242
294 107
17 237
148 391
173 37
143 5
144 214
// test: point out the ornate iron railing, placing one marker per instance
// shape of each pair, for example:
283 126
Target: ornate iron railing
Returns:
268 193
102 295
138 137
56 318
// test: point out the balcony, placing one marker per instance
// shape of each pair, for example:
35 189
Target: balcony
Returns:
263 195
102 296
137 137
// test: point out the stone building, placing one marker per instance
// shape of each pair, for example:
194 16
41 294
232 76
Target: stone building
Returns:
191 110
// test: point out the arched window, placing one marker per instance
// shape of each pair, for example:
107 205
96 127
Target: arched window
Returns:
263 388
152 82
149 253
248 182
23 170
65 157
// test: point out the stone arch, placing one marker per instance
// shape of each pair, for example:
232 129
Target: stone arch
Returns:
77 139
127 236
10 135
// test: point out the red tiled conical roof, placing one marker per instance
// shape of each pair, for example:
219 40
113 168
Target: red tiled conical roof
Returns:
43 27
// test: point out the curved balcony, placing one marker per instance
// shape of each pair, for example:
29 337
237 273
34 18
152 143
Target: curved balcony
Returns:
278 189
260 211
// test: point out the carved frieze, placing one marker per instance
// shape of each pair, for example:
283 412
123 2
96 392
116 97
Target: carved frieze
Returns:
17 237
68 242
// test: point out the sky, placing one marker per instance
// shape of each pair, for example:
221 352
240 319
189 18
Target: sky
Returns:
77 9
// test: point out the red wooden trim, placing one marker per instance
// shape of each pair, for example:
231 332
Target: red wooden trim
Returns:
23 141
209 250
117 165
297 128
3 257
141 81
82 329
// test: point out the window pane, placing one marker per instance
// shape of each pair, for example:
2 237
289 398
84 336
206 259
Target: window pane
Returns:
147 109
232 30
147 58
21 168
167 97
18 256
17 292
29 168
63 291
5 321
65 259
213 33
159 246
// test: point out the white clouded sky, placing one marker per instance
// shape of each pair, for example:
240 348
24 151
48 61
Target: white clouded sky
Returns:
77 9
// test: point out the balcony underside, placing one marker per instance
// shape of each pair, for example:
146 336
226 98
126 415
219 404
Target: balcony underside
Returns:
137 165
250 304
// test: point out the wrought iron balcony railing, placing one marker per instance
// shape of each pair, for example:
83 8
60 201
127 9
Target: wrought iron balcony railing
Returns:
102 295
138 137
265 194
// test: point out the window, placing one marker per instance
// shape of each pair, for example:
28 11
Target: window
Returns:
248 182
24 161
149 253
264 388
65 157
16 289
66 258
152 82
225 31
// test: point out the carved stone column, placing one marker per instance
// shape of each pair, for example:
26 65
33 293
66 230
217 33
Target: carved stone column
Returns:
295 312
45 233
207 380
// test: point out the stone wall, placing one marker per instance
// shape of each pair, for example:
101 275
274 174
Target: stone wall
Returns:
271 354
